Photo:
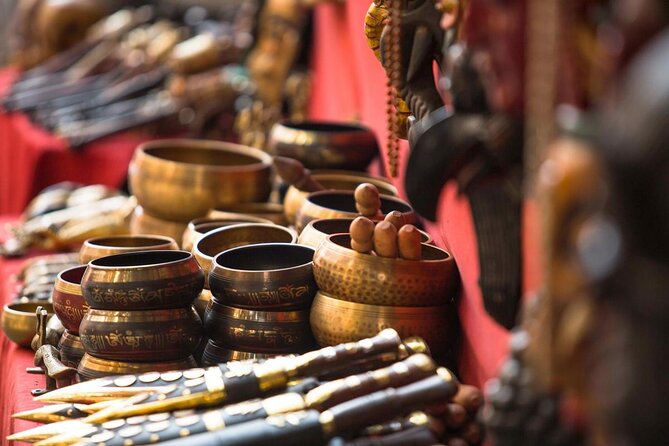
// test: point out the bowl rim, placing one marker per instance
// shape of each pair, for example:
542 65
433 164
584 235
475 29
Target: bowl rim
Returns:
186 257
67 286
10 308
344 126
94 243
198 252
424 234
352 193
244 314
217 266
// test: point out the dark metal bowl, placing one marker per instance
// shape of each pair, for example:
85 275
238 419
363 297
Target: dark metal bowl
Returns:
71 349
214 353
91 367
68 300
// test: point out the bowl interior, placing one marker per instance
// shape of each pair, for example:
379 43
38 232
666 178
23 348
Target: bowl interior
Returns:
265 257
331 226
345 202
27 308
141 258
428 252
73 275
316 126
230 237
202 156
128 242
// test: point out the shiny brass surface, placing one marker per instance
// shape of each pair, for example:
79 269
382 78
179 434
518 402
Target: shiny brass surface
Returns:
201 302
198 227
71 349
273 212
91 367
142 280
266 276
182 179
219 240
68 300
324 145
19 321
142 223
370 279
341 204
95 248
334 321
214 353
334 179
148 335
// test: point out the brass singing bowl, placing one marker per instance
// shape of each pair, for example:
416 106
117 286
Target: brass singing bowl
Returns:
324 145
181 179
267 276
67 298
219 240
334 180
316 231
142 223
334 321
258 331
198 227
341 204
94 248
71 349
19 321
142 280
215 353
273 212
149 335
200 304
370 279
91 367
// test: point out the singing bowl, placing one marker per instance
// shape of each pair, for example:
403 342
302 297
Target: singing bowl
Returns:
267 276
67 298
149 335
273 212
336 180
19 321
200 304
215 353
94 248
143 280
198 227
370 279
341 204
71 349
181 179
142 223
258 331
91 367
219 240
334 321
324 145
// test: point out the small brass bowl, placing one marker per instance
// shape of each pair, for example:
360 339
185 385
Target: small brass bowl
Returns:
68 300
341 204
214 354
142 223
142 280
94 248
219 240
273 212
324 145
19 321
334 321
336 180
181 179
258 331
71 349
198 227
370 279
91 367
149 335
316 231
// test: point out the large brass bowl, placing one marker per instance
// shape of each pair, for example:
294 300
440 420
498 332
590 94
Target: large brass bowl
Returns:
19 321
94 248
219 240
198 227
67 298
149 335
336 180
215 353
142 280
273 212
267 276
181 179
258 331
91 367
142 223
334 321
370 279
341 204
324 145
71 349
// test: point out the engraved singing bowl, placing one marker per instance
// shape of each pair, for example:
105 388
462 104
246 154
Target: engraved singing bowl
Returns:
316 231
324 145
148 335
258 331
181 179
198 227
219 240
341 204
67 298
142 280
370 279
19 321
273 212
71 349
267 276
94 248
91 367
142 223
337 180
334 321
214 353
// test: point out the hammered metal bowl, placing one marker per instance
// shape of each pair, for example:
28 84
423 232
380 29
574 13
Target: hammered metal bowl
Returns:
67 298
71 349
267 276
215 353
181 179
149 335
370 279
258 331
198 227
273 212
91 367
142 223
335 321
142 280
19 321
94 248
